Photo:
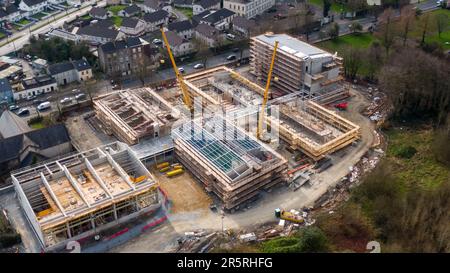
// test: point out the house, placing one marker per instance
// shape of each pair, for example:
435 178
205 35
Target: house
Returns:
197 18
133 27
70 71
178 45
65 35
35 86
149 6
127 56
130 11
33 6
31 147
202 5
185 29
14 14
156 19
208 35
183 3
243 25
248 8
220 19
99 33
100 13
12 125
6 92
3 17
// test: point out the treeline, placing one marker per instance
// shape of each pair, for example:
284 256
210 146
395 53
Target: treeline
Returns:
57 50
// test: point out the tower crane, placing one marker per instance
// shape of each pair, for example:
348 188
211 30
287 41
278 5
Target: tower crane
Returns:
266 94
186 98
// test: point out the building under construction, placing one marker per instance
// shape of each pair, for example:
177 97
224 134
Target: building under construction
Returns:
228 161
299 66
85 193
135 114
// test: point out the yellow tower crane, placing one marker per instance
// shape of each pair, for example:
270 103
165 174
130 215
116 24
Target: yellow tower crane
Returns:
266 94
186 98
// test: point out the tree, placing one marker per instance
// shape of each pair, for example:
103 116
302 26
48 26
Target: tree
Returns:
333 31
326 7
353 60
407 16
356 27
442 20
387 32
424 27
313 240
203 51
374 60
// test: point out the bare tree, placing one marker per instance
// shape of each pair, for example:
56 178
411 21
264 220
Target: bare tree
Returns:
203 50
442 21
353 60
424 24
387 32
407 17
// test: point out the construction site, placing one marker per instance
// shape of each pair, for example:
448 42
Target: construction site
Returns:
131 116
84 193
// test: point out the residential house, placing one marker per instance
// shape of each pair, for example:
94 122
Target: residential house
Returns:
248 8
183 3
3 17
130 11
185 29
127 56
6 92
13 12
12 125
133 27
202 5
33 146
156 19
100 13
70 71
243 25
35 86
99 33
197 18
65 35
220 19
33 6
178 45
149 6
208 35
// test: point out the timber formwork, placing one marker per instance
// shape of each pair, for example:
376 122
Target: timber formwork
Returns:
313 129
229 162
135 114
82 194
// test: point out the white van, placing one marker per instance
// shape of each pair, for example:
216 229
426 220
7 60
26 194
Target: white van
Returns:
44 105
230 36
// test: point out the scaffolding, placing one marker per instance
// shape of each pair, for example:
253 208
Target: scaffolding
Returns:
84 193
229 162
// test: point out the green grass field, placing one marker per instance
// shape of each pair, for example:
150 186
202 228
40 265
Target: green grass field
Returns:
117 20
23 22
422 168
116 9
186 11
39 15
334 7
363 40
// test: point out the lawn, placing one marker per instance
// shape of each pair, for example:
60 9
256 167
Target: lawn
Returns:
334 7
37 125
117 20
86 17
23 22
115 9
363 40
186 11
39 15
421 168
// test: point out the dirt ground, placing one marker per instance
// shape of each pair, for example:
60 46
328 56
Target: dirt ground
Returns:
185 193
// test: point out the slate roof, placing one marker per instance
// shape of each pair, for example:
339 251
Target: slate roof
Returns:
129 22
111 47
153 4
173 38
81 65
132 9
12 125
180 26
37 82
155 16
3 13
98 12
32 2
4 85
12 9
42 138
207 30
217 16
98 30
207 3
60 67
183 2
243 22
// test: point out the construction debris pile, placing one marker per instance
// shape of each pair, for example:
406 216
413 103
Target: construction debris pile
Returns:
198 241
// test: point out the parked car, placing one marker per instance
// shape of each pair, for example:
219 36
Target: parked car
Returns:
231 37
31 97
44 106
37 101
231 57
181 69
199 66
65 100
23 112
80 96
13 107
157 41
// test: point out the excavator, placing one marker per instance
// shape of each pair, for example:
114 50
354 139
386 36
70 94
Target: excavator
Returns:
259 132
180 80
